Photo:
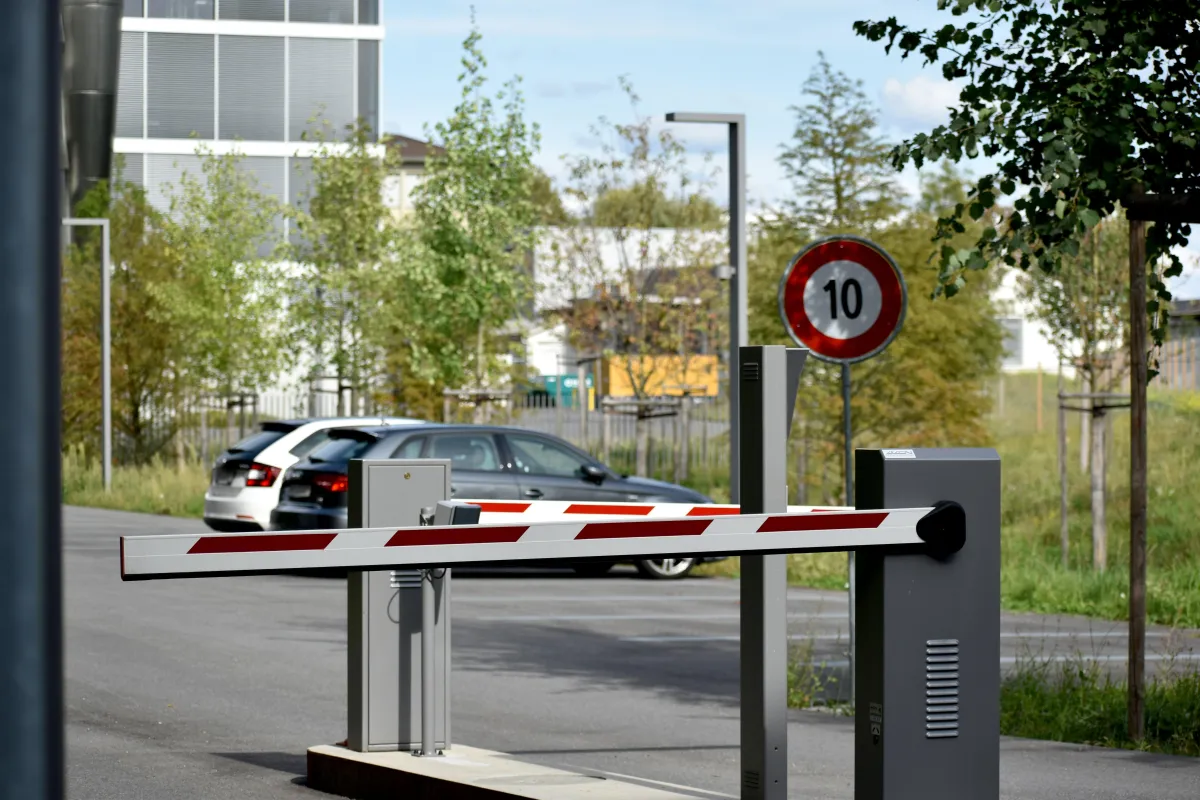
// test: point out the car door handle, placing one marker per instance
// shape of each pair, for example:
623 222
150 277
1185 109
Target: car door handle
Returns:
534 493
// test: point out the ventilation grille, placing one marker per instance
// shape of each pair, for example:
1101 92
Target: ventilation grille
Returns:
750 371
751 780
941 689
406 579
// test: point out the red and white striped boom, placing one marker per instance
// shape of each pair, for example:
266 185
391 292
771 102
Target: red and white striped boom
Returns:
183 555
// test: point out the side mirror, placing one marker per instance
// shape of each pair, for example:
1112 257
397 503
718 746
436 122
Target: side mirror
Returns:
593 473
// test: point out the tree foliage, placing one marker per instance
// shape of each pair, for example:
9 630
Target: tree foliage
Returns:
229 296
926 387
836 161
623 283
344 254
1085 306
474 221
1082 104
149 343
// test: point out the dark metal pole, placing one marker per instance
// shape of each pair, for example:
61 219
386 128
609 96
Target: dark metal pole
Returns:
1137 481
31 212
847 434
739 281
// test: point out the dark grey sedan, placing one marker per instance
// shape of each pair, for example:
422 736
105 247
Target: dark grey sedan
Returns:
487 463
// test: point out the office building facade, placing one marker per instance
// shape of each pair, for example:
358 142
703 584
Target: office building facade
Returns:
244 75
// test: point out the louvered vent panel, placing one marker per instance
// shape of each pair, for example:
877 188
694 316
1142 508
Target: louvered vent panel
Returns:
163 173
368 85
252 98
131 90
336 11
941 689
320 81
267 10
299 178
134 168
181 92
267 173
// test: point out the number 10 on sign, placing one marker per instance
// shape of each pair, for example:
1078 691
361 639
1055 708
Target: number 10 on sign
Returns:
844 299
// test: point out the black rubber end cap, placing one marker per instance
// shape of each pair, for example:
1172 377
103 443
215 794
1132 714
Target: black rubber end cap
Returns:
944 529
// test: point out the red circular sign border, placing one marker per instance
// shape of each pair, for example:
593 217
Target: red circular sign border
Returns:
891 283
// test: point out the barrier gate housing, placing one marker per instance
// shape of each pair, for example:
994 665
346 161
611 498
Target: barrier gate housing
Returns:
926 530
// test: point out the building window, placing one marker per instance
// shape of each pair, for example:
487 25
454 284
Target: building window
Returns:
131 90
251 91
265 10
368 12
134 8
267 177
368 86
180 96
180 9
327 11
321 84
1013 332
163 173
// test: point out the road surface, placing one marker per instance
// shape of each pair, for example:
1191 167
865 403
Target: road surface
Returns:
215 687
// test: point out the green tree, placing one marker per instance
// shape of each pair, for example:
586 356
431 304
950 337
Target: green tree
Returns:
627 207
1081 104
836 160
475 217
634 277
840 177
548 201
230 295
346 256
149 344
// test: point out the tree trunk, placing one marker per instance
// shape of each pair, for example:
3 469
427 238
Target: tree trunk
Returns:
643 447
1138 377
1085 423
1064 529
1099 524
685 438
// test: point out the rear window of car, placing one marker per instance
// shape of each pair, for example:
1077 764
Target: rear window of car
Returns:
340 449
255 443
310 443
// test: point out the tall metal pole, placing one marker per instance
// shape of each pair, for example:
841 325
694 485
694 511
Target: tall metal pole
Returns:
738 282
31 211
739 328
847 434
105 340
1138 376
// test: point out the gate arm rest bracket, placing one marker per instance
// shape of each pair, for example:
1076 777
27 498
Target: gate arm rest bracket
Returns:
943 529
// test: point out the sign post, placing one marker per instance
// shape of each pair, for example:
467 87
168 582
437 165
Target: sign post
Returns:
844 299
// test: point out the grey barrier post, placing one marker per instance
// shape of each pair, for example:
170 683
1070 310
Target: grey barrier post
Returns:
769 377
384 614
927 723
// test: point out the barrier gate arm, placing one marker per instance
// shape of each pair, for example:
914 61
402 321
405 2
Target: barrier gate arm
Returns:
940 530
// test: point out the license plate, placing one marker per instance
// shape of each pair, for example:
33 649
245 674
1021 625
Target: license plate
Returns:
300 492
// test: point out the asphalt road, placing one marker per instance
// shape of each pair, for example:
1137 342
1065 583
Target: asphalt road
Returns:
214 688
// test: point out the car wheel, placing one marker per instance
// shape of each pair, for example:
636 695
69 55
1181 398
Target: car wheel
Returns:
665 569
593 569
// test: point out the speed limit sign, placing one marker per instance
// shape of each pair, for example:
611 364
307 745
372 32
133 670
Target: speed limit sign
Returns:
843 298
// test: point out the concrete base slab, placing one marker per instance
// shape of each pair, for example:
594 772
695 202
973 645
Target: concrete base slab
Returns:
463 773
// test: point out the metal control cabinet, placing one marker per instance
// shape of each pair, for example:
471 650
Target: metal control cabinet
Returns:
384 612
927 717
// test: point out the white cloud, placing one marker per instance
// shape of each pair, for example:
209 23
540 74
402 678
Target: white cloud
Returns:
920 101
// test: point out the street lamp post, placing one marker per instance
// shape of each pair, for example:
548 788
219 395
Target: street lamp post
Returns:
105 341
763 587
738 280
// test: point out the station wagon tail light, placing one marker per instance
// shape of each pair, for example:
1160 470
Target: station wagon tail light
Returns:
332 483
261 475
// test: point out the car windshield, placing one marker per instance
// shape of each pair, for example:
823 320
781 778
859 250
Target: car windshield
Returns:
255 443
340 450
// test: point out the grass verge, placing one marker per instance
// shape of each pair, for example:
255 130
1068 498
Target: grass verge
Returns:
1073 701
154 488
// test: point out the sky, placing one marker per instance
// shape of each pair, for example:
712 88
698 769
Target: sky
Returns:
728 56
